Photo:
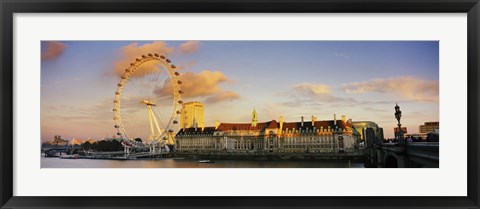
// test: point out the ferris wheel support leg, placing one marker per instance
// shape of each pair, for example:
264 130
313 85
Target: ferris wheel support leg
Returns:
150 115
126 151
170 140
156 123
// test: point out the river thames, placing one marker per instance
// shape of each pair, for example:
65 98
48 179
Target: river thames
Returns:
186 163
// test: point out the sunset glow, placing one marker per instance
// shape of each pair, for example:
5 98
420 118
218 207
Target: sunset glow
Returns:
360 79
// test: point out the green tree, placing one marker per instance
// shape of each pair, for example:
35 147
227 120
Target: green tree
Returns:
87 145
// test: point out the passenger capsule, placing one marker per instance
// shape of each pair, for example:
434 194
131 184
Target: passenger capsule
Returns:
119 133
115 101
119 84
177 73
123 77
180 102
168 60
179 82
114 110
175 122
150 55
173 66
156 55
178 112
143 56
127 70
132 64
137 59
170 130
161 56
117 93
117 126
180 92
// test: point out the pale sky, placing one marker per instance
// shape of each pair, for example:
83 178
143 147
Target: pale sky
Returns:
360 79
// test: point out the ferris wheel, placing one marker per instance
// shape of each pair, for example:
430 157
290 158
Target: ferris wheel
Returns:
147 102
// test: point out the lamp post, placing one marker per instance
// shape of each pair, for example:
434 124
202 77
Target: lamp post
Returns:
398 116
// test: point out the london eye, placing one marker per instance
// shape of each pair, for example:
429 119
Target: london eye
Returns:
147 103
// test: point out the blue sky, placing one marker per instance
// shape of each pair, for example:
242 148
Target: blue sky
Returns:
360 79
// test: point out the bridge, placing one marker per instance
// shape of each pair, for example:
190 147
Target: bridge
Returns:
52 149
403 155
55 150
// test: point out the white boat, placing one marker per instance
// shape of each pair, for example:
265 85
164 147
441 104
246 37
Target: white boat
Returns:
75 156
205 161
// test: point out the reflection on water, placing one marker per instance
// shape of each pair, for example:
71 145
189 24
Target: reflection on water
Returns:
183 163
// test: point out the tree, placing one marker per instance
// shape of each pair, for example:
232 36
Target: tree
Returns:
87 145
107 146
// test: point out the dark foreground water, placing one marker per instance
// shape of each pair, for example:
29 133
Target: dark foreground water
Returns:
184 163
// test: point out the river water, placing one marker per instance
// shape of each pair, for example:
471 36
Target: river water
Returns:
185 163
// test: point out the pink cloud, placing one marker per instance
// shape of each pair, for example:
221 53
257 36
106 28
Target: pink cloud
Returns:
54 50
408 87
189 47
313 88
222 96
132 51
205 83
186 65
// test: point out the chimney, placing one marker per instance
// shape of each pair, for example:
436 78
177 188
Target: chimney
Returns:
335 119
313 120
302 121
217 124
343 118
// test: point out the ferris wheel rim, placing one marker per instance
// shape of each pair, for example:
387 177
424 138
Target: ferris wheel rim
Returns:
127 74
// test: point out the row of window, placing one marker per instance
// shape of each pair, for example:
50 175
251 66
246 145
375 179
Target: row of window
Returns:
252 146
324 131
285 140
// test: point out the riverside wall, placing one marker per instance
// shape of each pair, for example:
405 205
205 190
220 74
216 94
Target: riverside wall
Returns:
358 155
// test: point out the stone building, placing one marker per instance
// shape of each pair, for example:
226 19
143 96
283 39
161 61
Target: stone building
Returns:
328 136
429 127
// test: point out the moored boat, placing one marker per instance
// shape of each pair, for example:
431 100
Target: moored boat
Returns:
70 156
205 161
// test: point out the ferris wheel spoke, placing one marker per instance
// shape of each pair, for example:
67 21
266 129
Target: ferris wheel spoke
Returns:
137 84
158 78
135 88
129 93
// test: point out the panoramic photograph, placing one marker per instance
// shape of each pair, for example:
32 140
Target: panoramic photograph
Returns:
239 104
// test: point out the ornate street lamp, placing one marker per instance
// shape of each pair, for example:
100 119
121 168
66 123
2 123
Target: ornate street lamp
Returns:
398 116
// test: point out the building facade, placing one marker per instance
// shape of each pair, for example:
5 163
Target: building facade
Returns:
429 127
330 136
192 115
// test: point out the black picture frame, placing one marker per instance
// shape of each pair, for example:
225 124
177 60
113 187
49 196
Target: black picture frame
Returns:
10 7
